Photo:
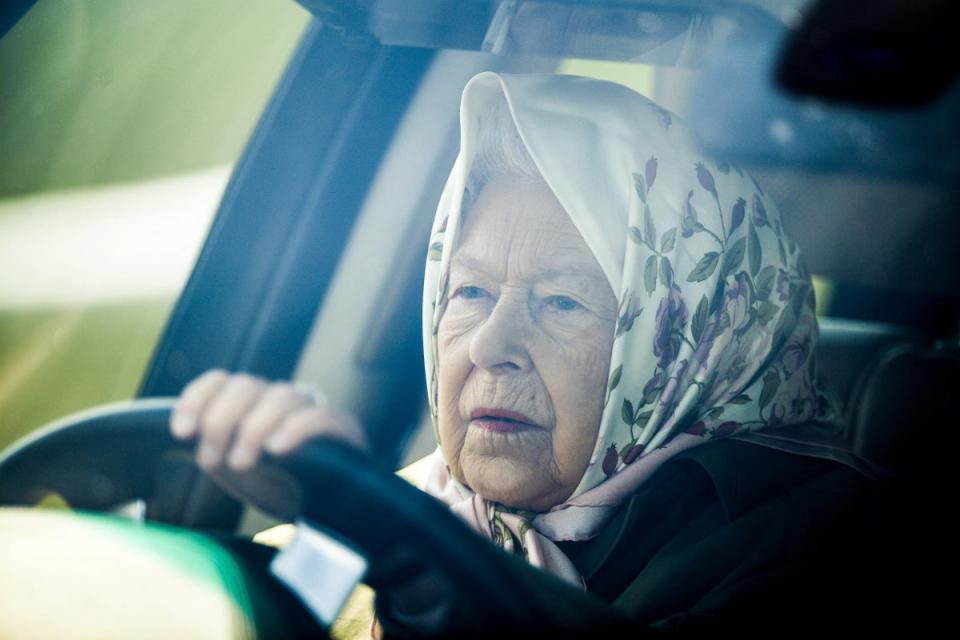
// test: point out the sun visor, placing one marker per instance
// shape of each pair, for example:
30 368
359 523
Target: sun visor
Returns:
738 113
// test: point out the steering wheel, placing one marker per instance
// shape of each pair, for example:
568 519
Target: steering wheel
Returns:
102 458
112 455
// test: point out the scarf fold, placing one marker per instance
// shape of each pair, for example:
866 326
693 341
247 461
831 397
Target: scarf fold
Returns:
511 530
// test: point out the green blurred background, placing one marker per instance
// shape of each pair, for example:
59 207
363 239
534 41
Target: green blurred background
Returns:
114 105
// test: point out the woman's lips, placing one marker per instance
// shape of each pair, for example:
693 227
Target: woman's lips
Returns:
501 420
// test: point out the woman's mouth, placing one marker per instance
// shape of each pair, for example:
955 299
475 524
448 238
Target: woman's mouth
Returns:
501 421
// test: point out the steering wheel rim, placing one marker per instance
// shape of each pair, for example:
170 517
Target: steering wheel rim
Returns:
115 452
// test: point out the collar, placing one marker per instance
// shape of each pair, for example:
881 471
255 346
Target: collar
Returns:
745 474
740 474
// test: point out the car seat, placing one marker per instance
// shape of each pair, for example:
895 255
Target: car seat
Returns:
900 396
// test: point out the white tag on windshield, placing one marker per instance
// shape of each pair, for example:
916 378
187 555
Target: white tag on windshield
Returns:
321 571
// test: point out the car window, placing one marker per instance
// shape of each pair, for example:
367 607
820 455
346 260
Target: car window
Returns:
119 124
370 317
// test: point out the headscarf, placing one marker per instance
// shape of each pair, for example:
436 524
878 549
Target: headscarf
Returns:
716 323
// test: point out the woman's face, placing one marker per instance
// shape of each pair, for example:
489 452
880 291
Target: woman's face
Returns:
523 348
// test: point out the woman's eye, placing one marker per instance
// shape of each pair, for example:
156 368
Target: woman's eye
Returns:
563 303
469 293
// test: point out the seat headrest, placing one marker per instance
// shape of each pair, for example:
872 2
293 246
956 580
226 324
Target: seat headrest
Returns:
904 412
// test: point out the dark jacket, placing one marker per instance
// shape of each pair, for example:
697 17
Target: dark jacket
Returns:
731 536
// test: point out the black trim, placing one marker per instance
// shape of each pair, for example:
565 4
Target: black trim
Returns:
11 12
294 204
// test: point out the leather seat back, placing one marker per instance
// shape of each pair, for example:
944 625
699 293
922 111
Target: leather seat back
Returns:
900 397
848 347
906 412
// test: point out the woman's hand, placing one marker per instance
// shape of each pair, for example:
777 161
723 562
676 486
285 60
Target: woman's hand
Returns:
237 416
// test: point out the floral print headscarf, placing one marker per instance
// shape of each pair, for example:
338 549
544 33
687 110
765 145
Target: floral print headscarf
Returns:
716 326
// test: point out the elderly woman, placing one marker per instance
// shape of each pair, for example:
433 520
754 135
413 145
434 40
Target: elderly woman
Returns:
618 340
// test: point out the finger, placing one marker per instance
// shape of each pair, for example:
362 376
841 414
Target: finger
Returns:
193 402
276 403
314 421
224 413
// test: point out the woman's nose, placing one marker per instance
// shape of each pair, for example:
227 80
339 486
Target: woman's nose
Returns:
500 344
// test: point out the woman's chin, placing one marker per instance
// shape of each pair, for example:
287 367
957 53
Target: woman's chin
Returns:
511 482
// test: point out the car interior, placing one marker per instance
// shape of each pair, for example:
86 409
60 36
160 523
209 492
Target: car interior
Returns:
311 267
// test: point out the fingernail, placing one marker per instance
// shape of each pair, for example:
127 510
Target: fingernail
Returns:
183 424
208 457
242 458
276 444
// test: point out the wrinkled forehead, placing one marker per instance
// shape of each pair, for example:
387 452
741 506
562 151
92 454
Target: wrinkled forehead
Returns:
520 223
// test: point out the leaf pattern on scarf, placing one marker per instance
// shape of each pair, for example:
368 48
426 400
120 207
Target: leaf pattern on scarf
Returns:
668 241
705 267
627 313
650 274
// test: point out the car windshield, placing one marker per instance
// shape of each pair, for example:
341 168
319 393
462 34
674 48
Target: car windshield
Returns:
117 150
833 166
251 187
